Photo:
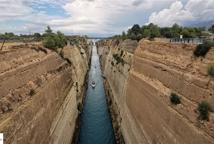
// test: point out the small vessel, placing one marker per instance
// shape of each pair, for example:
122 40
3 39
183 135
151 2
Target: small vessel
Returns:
93 84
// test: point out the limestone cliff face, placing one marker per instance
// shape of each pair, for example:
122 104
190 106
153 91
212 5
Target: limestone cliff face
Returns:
141 96
40 92
116 71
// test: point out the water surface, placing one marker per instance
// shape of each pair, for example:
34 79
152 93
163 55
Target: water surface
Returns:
96 126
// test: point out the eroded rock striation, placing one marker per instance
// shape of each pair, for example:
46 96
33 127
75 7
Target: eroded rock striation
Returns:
40 92
139 79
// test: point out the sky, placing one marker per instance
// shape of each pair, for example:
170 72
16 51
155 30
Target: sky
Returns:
99 17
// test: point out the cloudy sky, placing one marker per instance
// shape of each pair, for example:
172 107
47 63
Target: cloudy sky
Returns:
99 17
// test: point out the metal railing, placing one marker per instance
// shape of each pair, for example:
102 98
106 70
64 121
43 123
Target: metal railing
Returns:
187 40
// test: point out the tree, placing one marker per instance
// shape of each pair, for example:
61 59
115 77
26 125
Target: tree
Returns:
136 29
154 30
62 39
186 33
146 32
37 36
48 30
54 40
9 35
166 32
124 35
150 31
49 42
176 30
211 29
135 33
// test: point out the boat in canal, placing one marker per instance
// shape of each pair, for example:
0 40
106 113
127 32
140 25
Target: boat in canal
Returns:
93 84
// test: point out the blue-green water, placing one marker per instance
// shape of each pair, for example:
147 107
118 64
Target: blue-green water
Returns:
96 126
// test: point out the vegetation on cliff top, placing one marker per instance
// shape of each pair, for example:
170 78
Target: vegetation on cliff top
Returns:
54 40
152 31
49 38
211 29
23 37
203 49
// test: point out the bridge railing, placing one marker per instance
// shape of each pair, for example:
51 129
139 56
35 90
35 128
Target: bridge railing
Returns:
187 40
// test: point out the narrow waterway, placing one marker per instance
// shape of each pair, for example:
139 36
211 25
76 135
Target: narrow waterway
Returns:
96 126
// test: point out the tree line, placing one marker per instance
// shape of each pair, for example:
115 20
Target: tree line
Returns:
49 39
151 31
22 37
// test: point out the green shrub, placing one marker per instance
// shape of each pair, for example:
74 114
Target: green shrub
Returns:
204 109
210 70
62 40
54 40
32 92
175 99
203 49
118 59
49 42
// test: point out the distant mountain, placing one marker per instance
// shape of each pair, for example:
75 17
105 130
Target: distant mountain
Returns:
199 24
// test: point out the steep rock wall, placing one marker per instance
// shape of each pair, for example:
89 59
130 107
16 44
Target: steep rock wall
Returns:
116 73
40 92
141 96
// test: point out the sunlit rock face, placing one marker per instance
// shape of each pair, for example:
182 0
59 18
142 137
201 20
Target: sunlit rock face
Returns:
40 91
139 88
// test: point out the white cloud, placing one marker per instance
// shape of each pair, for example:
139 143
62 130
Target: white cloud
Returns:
22 11
100 16
83 16
92 15
194 10
155 4
167 17
202 10
20 8
13 8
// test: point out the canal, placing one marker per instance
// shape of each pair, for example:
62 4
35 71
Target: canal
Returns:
96 126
